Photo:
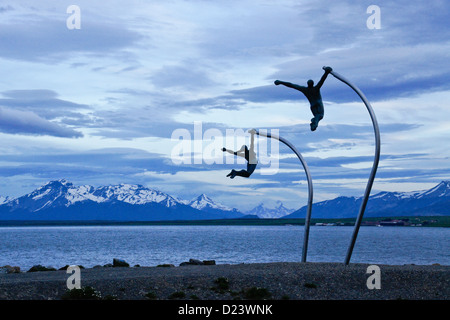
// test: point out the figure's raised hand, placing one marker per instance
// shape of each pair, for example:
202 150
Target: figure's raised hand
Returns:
224 149
252 131
327 69
277 82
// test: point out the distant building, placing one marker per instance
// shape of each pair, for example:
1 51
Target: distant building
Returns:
370 223
392 223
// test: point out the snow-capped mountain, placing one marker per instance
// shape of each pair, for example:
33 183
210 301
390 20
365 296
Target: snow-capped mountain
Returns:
51 194
134 194
435 201
203 201
206 204
62 200
63 193
270 213
4 200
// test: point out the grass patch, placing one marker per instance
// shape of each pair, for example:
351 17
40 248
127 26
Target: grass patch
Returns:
151 295
255 293
222 283
177 295
310 285
85 293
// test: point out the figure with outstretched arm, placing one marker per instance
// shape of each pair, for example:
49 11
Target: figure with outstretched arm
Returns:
312 93
248 154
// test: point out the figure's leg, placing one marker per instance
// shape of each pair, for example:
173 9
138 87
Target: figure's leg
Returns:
241 173
314 122
242 148
317 111
247 154
317 118
250 168
231 174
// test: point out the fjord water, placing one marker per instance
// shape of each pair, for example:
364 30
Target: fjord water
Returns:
154 245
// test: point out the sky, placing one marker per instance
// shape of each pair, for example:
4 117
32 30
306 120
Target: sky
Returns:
148 92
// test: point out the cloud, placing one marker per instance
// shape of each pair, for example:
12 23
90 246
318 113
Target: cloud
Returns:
245 34
49 40
7 8
266 94
30 94
27 122
142 70
403 58
408 24
413 74
117 163
45 104
186 76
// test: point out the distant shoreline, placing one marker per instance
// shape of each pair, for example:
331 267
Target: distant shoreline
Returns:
413 221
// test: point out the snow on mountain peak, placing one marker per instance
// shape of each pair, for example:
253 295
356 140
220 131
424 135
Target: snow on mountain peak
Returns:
133 194
269 213
203 201
64 193
54 183
440 190
4 200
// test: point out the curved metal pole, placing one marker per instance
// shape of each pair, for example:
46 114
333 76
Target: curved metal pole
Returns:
374 167
310 188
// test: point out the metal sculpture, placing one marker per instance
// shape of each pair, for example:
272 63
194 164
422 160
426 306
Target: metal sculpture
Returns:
374 167
310 188
312 93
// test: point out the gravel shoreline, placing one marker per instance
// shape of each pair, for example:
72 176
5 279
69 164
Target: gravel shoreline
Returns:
273 281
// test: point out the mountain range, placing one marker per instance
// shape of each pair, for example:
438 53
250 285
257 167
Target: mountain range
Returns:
61 200
435 201
270 213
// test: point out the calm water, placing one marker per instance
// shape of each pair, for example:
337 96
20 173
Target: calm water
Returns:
153 245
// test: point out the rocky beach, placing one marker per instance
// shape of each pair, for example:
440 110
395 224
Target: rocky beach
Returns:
204 280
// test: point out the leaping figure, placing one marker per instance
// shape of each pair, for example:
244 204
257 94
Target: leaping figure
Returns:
249 155
313 94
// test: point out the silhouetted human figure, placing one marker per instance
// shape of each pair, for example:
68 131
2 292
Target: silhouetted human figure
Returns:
313 94
249 155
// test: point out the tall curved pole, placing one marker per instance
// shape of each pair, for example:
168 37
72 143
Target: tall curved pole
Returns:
374 167
310 188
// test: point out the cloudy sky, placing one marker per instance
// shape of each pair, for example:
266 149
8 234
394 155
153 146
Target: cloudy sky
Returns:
99 105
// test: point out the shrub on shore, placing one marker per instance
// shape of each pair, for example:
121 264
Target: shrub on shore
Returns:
39 267
85 293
